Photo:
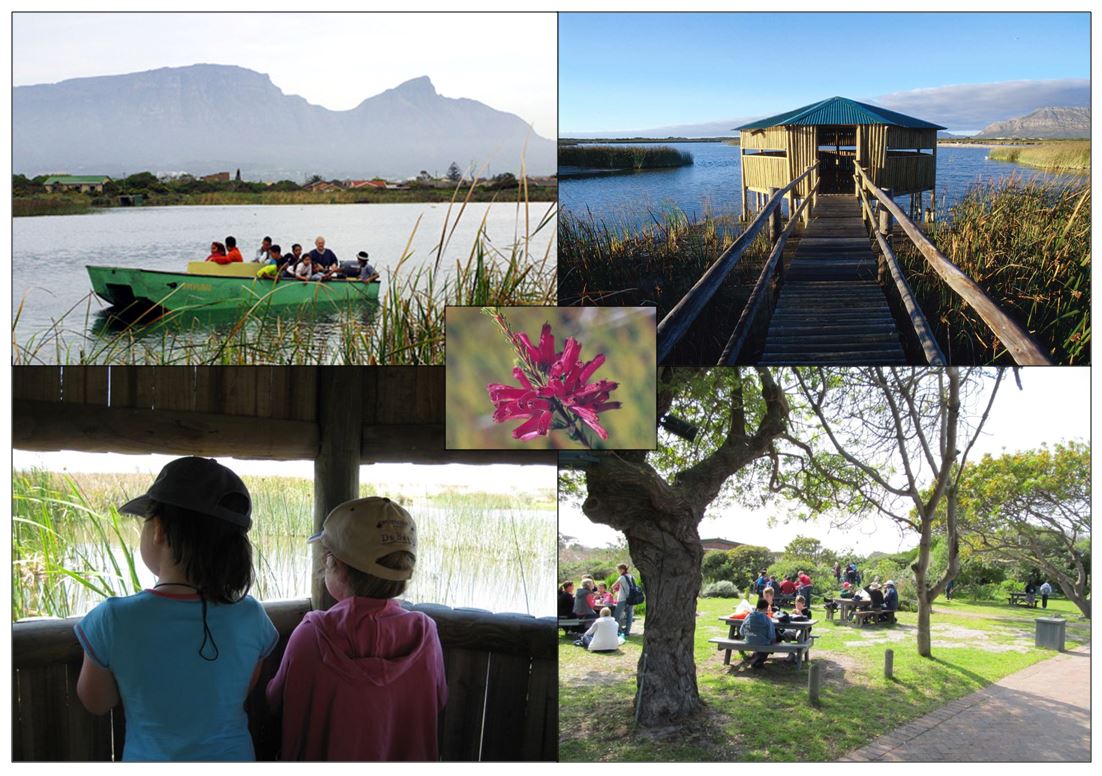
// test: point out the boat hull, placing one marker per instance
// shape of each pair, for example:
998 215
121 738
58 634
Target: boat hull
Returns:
126 287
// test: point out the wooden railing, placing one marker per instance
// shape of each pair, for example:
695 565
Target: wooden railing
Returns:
681 318
764 288
501 671
1017 341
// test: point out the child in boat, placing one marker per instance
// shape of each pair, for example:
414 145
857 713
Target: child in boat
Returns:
363 680
305 269
217 253
183 656
233 253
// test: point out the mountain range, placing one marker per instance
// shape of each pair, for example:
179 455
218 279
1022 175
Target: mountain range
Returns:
206 118
1055 122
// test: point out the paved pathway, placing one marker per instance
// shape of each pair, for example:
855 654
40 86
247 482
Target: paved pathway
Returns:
1040 714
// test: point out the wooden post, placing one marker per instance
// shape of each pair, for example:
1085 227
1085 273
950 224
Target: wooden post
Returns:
813 683
889 658
774 219
742 210
337 467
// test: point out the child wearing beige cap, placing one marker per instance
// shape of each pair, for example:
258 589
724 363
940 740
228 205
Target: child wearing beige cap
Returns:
363 680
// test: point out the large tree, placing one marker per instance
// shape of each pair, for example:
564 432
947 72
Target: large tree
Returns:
894 442
1033 508
658 499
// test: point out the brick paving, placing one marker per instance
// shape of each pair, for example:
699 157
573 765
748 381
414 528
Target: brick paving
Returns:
1039 714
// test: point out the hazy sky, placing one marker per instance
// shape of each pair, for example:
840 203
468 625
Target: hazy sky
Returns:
1053 406
335 60
641 71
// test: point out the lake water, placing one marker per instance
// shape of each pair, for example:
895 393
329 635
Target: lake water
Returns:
49 253
712 185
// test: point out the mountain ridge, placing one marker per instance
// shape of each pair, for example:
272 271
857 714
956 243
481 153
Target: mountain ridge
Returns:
1053 122
221 116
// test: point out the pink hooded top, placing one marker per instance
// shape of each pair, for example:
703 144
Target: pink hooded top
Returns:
363 680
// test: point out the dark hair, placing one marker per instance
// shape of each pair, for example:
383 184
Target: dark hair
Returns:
623 566
276 248
763 604
296 245
231 242
219 246
216 555
266 237
364 585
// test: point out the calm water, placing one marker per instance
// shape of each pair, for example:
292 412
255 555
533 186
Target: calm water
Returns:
711 185
52 251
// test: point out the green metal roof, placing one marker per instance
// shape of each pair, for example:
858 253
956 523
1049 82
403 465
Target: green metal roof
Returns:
76 179
840 110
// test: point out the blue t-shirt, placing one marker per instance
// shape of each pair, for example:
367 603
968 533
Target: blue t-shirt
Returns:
178 705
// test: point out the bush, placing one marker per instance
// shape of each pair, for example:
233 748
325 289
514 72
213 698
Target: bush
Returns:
721 589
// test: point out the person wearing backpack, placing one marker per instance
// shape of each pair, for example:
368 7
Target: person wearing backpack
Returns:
624 612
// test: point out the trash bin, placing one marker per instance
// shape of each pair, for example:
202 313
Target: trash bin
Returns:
1051 632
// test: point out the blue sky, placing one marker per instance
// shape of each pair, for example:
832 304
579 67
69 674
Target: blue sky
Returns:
639 71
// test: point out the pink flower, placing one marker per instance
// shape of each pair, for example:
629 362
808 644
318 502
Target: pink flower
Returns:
557 393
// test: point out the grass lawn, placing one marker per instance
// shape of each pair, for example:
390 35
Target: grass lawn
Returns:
974 644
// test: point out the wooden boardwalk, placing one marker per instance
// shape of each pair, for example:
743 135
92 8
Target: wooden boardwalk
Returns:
831 310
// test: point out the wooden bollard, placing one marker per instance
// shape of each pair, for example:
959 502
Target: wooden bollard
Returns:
813 680
889 657
774 219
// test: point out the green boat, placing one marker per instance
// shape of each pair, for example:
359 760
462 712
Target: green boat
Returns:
208 287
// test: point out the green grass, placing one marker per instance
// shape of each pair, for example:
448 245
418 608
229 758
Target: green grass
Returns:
1060 155
50 205
71 548
406 328
1027 244
618 157
974 645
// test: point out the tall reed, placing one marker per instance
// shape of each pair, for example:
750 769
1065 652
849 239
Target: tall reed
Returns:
1027 243
623 157
1066 155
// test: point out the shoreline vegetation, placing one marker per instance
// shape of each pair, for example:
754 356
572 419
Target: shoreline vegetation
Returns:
575 161
572 141
405 328
30 198
1027 243
1073 155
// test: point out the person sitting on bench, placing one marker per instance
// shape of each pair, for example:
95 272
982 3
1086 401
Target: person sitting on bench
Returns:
876 598
566 600
891 602
758 630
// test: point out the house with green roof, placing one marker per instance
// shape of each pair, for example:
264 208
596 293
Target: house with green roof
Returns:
81 183
898 152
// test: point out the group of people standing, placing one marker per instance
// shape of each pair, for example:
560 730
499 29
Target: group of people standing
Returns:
610 610
319 264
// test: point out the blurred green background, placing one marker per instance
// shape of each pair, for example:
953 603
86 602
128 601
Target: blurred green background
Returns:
477 354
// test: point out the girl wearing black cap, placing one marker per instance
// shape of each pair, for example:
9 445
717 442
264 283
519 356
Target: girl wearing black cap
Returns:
183 655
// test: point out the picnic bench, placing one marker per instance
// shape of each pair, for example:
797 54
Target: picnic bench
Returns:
802 626
572 623
798 648
1022 599
862 616
845 608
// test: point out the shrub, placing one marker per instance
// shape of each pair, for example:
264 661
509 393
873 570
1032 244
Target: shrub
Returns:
721 589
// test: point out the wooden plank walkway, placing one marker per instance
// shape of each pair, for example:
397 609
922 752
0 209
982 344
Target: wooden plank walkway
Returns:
831 310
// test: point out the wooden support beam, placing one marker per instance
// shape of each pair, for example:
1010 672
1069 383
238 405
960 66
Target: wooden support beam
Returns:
52 425
337 466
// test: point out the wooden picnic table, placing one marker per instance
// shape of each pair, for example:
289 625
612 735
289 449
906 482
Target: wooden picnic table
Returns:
803 626
846 607
1023 599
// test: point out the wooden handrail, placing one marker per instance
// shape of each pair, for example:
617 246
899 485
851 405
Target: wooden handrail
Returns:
1014 338
745 323
678 321
921 327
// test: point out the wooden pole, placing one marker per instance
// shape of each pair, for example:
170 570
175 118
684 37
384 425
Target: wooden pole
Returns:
813 683
774 219
889 658
337 467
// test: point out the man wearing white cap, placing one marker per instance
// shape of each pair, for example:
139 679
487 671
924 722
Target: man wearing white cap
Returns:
363 680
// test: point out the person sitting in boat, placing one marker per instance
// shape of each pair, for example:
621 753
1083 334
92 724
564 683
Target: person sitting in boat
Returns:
233 253
324 260
367 273
273 265
263 253
217 253
306 269
291 261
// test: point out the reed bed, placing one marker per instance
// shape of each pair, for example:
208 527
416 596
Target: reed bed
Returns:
620 157
1027 243
1069 155
71 548
608 265
49 205
407 326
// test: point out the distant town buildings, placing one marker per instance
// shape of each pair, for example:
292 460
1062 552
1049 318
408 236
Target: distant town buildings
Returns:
218 177
81 183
